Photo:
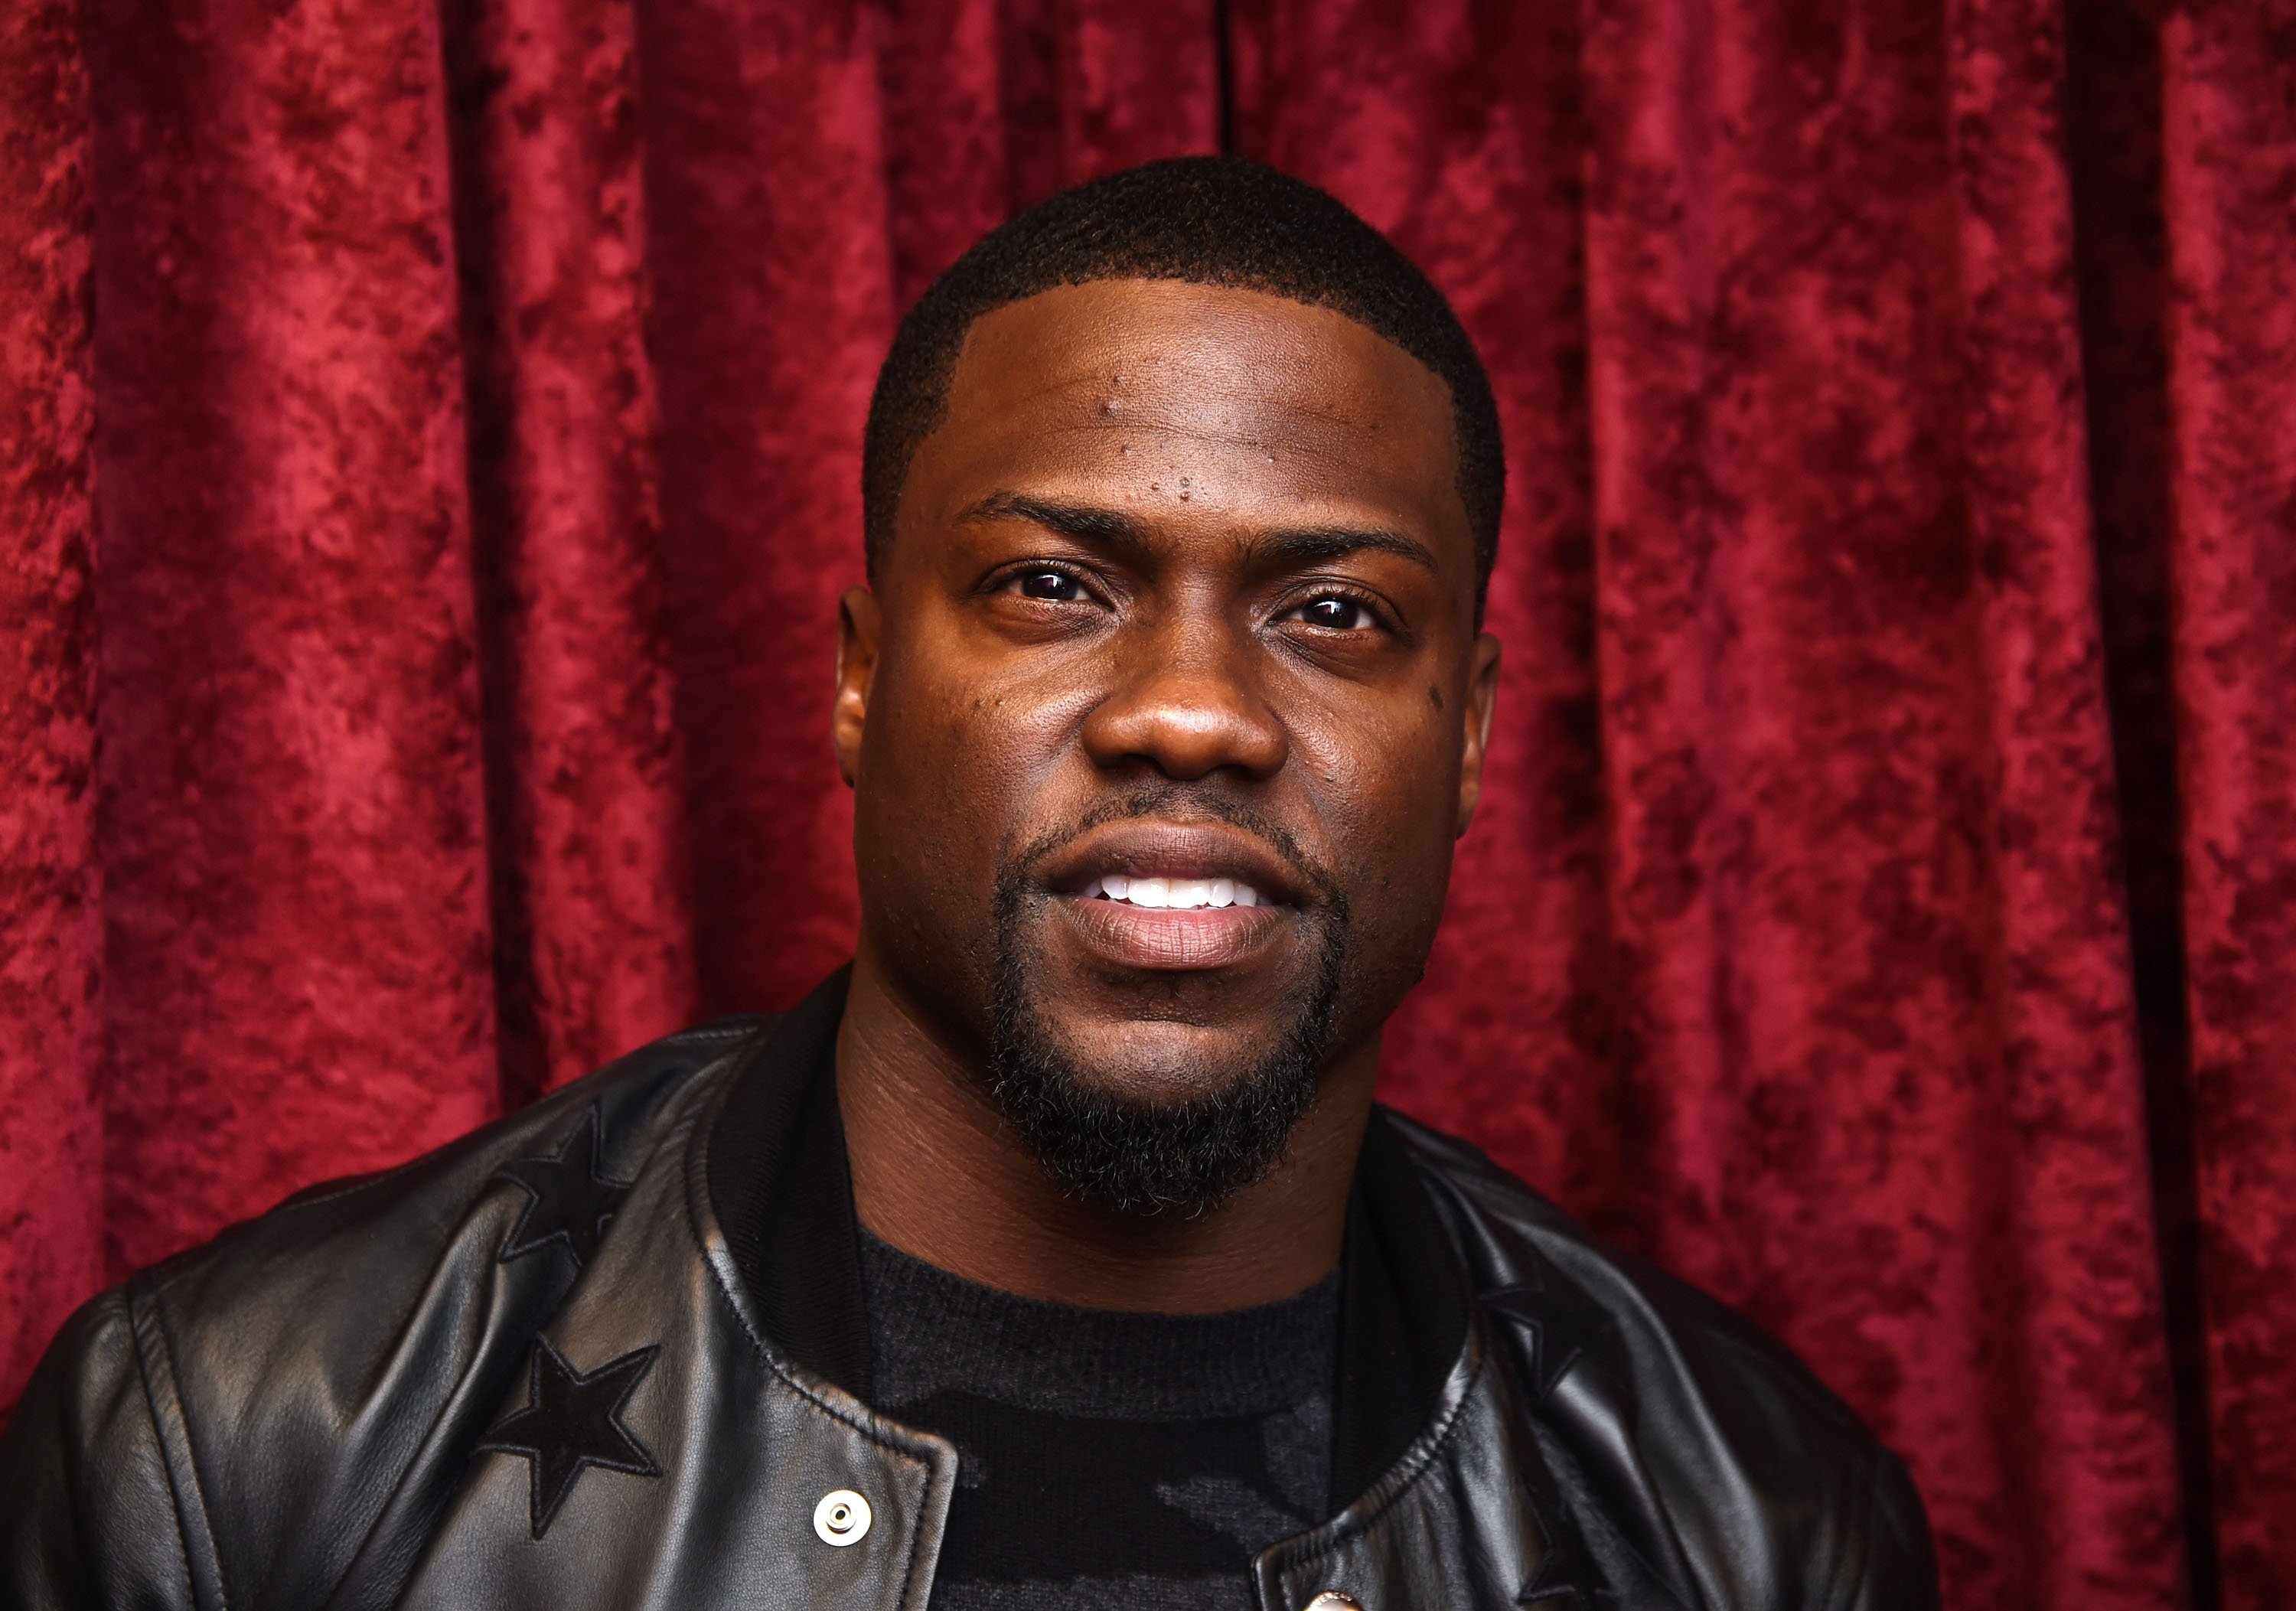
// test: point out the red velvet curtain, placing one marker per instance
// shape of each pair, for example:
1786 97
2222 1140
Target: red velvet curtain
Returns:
431 457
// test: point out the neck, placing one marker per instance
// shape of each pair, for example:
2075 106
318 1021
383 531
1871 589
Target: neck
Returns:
937 1173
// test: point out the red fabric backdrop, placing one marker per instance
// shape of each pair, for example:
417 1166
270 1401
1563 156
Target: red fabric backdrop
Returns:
430 458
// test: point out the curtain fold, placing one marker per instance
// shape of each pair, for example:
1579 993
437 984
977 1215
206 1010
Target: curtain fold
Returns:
52 1250
593 924
2229 116
432 465
291 828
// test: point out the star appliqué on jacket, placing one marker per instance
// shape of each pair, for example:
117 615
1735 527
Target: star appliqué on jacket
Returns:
569 1200
571 1422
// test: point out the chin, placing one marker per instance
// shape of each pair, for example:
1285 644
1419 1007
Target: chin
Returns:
1155 1047
1152 1065
1150 1114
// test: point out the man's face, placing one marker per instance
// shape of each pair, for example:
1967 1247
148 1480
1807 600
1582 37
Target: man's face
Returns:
1164 715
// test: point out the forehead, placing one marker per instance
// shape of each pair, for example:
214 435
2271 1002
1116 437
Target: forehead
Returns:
1152 393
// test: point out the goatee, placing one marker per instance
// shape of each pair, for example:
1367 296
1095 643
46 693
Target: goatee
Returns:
1184 1155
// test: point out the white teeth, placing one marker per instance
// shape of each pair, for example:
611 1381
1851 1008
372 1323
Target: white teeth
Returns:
1180 894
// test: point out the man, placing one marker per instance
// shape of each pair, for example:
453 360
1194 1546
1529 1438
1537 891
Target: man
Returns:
1053 1254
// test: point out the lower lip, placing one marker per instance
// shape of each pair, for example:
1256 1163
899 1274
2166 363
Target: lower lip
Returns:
1173 938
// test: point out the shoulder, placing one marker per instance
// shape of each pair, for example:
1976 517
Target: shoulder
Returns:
313 1275
275 1390
87 1516
1718 1455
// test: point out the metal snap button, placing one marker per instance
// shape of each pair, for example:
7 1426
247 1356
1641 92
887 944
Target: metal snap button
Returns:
1331 1599
841 1518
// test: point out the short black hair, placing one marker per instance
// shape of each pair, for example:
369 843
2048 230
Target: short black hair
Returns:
1210 221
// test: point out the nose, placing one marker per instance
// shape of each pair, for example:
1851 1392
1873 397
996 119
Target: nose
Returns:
1187 701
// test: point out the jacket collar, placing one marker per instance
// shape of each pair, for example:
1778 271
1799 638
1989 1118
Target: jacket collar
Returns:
783 1196
1403 1315
1438 1476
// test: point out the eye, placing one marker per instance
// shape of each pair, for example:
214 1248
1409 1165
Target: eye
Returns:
1336 612
1053 586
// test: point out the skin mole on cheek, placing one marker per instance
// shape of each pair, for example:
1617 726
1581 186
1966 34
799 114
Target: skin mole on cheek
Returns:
1434 696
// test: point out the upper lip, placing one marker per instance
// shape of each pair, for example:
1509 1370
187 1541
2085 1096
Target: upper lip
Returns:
1147 849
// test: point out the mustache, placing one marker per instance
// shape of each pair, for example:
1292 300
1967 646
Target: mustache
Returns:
1174 801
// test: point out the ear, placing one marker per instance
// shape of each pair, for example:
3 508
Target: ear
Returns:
1475 711
856 668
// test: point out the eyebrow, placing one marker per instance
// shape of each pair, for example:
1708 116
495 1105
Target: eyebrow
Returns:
1113 528
1102 528
1312 544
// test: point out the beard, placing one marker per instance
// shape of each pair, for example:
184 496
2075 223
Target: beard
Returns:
1183 1156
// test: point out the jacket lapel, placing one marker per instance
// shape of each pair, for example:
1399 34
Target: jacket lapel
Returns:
1440 1481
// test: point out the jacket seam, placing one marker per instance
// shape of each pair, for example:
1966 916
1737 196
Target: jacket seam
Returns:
186 1493
82 1454
1858 1522
1406 1474
909 1559
314 1198
835 1412
697 1121
412 1465
1862 1538
690 1144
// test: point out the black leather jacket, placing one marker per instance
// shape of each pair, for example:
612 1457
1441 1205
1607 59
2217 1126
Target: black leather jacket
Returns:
611 1352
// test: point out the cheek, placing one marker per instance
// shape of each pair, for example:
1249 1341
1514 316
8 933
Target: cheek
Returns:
954 768
1390 798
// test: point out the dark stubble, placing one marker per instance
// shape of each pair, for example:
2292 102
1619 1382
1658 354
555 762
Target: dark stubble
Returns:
1183 1156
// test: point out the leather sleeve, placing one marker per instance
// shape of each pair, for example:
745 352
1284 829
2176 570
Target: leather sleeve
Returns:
88 1518
1900 1570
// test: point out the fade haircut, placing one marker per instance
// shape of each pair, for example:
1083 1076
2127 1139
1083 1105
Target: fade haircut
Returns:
1208 221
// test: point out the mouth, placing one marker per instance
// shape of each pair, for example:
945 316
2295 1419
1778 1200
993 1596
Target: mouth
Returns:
1162 892
1169 898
